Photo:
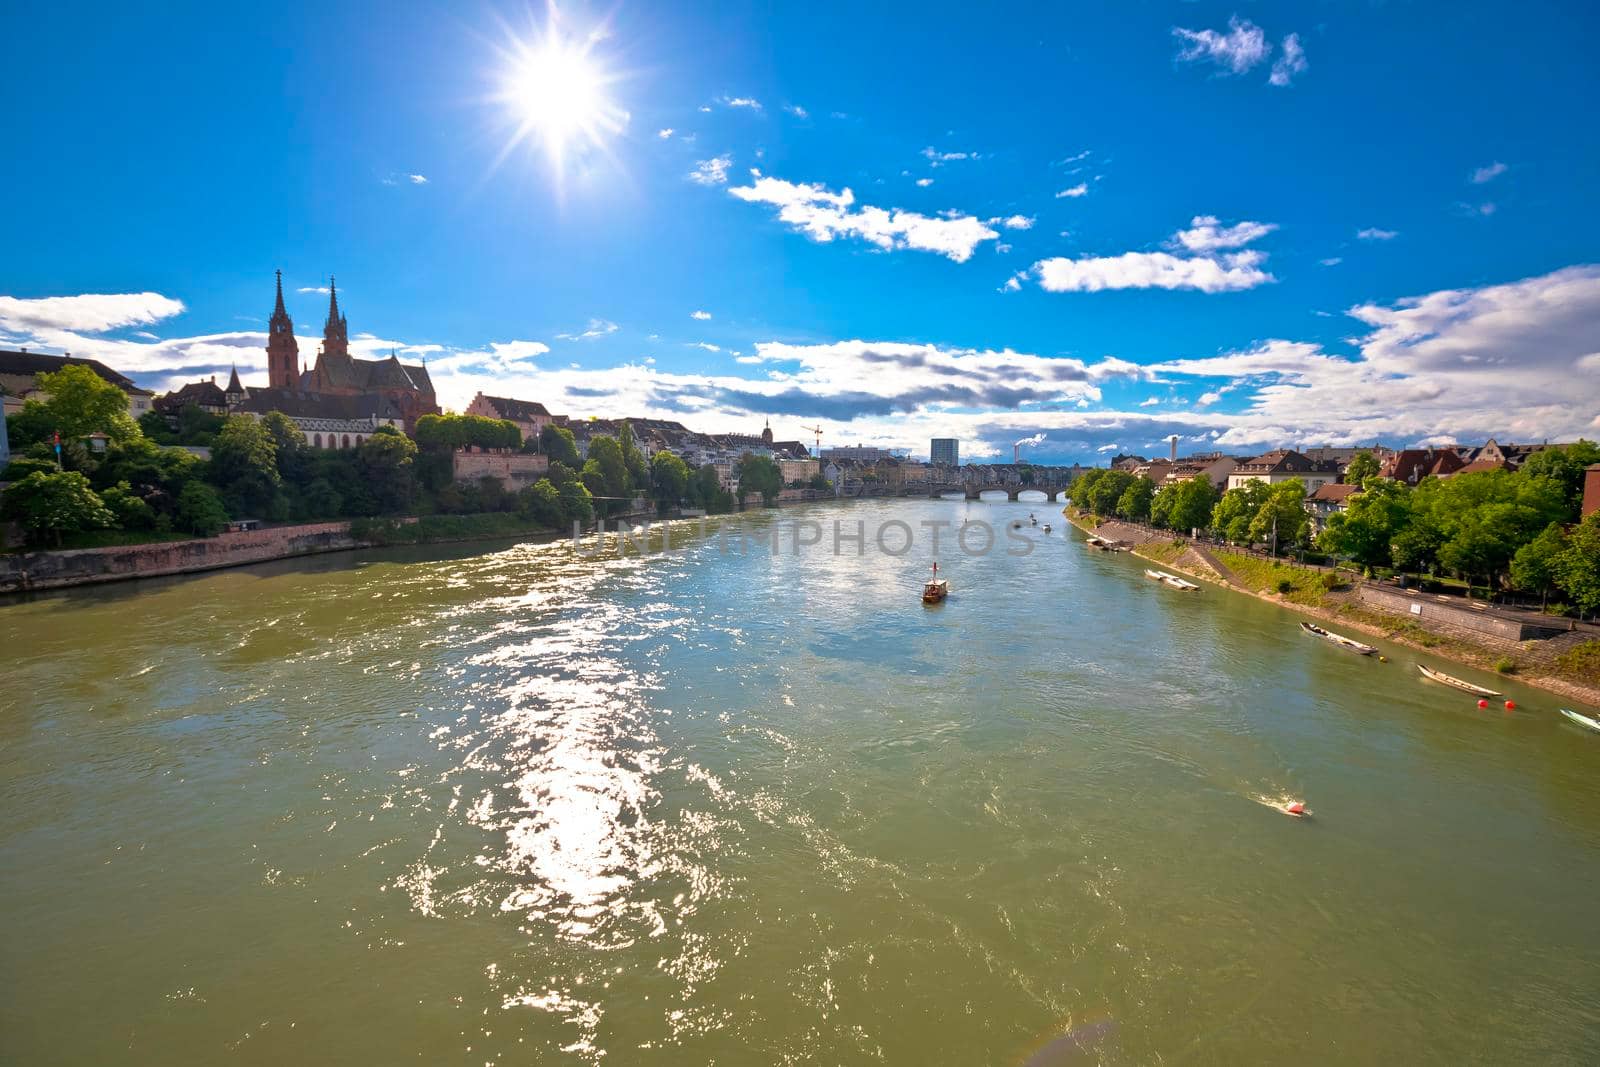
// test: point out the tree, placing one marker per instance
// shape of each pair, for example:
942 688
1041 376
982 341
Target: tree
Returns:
386 461
633 460
1282 517
200 510
153 425
669 480
606 472
49 505
1106 490
1365 530
558 443
541 502
1134 503
319 500
1191 509
1363 465
198 427
81 403
129 510
577 505
1236 511
758 474
444 433
244 466
1578 569
289 444
1537 564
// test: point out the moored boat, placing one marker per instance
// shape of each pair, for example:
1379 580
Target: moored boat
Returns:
1170 580
1046 527
1337 639
1581 719
1459 683
935 589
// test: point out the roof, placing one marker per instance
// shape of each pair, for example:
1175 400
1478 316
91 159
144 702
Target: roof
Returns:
300 405
347 372
206 394
1284 461
516 410
1484 465
27 364
1334 492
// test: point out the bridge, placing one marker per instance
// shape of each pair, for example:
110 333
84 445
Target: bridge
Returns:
1052 491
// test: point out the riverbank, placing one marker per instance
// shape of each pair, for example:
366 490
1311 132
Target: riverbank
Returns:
1542 663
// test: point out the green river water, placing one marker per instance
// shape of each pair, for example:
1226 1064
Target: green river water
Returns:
509 804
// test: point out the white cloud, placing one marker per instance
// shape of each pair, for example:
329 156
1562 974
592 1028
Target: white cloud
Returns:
797 111
517 350
323 289
1012 284
1331 261
1290 63
1150 402
1483 210
1080 157
823 215
1080 189
924 182
665 134
1207 234
712 171
1112 447
1242 47
705 345
1372 233
701 315
88 313
1211 269
417 179
743 101
1489 173
936 157
596 328
1017 222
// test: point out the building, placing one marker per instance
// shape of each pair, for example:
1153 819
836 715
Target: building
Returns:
325 421
5 442
208 396
1329 498
1213 467
1282 464
1591 485
18 383
1129 463
529 416
857 453
1342 455
1411 465
337 373
945 452
798 470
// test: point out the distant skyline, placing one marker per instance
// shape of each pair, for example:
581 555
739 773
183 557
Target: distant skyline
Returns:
1249 225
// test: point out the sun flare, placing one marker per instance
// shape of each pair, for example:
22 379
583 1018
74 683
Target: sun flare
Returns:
557 94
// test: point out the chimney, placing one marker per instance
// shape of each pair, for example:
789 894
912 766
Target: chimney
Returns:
1173 456
1016 453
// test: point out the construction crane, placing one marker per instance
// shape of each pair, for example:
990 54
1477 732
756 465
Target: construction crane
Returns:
818 431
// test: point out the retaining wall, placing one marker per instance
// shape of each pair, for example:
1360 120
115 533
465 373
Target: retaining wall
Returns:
1434 614
51 570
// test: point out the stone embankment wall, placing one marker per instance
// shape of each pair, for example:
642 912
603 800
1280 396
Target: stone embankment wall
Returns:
20 572
512 469
1433 614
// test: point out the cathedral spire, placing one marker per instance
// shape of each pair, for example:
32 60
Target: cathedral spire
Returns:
335 337
279 309
283 352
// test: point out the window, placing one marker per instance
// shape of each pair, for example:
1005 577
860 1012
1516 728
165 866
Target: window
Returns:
316 442
358 440
346 441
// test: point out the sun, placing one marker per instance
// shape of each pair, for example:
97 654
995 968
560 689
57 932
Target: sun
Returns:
557 96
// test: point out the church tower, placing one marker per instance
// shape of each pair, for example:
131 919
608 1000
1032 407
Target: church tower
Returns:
335 336
283 353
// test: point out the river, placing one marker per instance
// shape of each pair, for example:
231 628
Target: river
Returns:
519 804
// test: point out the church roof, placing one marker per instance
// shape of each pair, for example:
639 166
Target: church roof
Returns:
297 405
27 364
206 394
347 372
517 410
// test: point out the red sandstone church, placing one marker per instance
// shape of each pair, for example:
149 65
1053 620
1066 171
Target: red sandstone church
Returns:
404 386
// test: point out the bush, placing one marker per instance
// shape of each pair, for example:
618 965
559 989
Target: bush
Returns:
1506 665
1582 662
23 466
200 510
1285 585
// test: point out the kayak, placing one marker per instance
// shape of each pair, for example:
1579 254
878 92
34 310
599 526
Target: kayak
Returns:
1581 720
1450 679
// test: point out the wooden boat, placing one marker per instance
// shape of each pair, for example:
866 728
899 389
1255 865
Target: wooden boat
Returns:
1338 639
1581 719
1170 580
936 588
1450 679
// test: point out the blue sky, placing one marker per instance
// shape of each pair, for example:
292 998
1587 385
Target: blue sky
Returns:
1099 223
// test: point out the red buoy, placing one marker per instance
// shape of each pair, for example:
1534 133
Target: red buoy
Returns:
1511 705
1297 808
1483 703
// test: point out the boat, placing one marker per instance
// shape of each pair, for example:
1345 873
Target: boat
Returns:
1450 679
1172 581
1338 639
1046 527
1033 520
1581 719
935 589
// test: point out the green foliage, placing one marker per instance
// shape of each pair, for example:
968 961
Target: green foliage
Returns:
200 510
669 480
1506 665
1564 467
758 474
1582 662
1536 565
558 443
541 502
386 467
23 466
1237 510
1184 506
1365 529
1134 503
1578 567
1363 465
81 403
447 432
1281 519
129 510
633 459
244 467
153 425
32 425
48 505
199 427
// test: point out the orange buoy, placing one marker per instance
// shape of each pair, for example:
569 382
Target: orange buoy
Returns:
1297 808
1483 703
1511 705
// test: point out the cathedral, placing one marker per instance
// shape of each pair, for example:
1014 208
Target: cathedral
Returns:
405 387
